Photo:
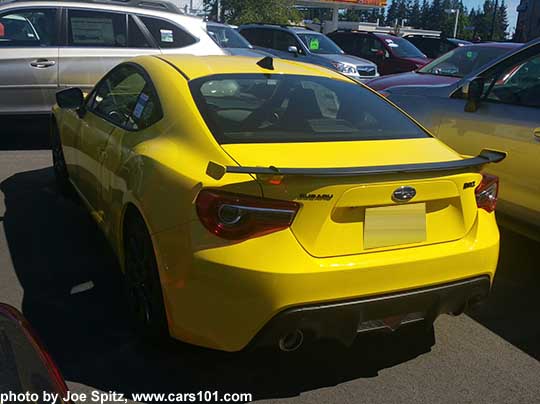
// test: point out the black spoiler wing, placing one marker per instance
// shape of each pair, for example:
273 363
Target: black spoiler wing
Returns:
486 156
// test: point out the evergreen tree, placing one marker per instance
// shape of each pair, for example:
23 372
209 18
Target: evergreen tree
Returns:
424 14
501 22
392 13
415 17
435 15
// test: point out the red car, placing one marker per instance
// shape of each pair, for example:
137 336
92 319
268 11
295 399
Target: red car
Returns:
27 372
449 68
392 54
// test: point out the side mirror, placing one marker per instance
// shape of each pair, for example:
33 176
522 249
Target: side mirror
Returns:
70 98
380 54
293 50
473 91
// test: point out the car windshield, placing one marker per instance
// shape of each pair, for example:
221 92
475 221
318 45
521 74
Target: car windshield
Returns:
227 37
462 61
317 43
270 108
402 48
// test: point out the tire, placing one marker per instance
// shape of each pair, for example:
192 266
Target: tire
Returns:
59 162
141 278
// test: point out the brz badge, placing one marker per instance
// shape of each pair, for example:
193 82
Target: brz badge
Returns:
404 194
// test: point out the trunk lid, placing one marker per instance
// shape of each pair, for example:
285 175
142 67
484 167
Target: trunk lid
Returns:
357 214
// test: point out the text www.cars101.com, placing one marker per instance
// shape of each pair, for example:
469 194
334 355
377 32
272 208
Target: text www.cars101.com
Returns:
201 396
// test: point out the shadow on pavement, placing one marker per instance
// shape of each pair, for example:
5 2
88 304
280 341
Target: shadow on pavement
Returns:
54 245
513 309
24 133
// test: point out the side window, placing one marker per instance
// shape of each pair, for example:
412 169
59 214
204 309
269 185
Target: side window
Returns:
166 34
136 39
518 85
258 37
282 41
369 46
97 29
126 99
28 28
345 42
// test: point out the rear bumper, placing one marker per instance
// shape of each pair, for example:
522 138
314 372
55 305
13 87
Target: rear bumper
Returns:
344 320
221 295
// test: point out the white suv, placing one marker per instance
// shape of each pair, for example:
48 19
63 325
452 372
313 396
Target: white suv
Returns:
49 45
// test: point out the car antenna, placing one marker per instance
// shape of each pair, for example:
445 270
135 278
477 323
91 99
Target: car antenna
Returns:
266 63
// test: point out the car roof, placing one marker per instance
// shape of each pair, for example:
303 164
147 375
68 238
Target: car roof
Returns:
216 24
505 45
162 5
132 6
293 28
194 67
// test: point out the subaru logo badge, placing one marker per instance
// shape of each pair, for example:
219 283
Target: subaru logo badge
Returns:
404 194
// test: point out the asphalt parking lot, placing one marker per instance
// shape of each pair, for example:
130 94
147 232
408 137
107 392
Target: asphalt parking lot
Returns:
48 244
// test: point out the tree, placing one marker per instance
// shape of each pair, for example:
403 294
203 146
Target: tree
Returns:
415 15
501 22
424 14
435 15
391 14
246 11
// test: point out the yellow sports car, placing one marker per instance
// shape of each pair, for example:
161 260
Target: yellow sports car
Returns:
267 201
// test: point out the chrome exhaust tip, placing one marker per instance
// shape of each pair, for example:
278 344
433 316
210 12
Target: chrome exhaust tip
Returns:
292 341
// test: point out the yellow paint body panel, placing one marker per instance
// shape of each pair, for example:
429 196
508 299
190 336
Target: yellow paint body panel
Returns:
219 293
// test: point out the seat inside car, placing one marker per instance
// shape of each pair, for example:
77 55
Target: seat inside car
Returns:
302 106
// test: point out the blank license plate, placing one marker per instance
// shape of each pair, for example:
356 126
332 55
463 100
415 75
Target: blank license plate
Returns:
394 225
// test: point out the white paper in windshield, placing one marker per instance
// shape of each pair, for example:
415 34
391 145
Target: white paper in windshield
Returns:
92 30
166 35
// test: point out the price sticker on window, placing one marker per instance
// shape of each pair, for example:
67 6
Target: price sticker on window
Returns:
166 35
314 44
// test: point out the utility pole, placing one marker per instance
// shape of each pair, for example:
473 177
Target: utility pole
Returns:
493 21
456 12
456 24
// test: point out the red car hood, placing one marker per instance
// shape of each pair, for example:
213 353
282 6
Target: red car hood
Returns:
409 79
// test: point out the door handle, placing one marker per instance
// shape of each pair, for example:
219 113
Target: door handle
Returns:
42 63
102 153
536 134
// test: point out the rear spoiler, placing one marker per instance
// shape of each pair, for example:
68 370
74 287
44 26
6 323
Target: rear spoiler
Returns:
486 156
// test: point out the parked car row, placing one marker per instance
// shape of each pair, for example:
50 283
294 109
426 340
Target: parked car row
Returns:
58 44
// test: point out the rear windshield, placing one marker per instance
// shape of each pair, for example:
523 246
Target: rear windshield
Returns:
256 108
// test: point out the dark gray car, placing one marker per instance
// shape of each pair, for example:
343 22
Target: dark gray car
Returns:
305 45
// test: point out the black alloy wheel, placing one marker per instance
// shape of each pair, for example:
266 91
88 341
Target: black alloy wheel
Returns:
142 282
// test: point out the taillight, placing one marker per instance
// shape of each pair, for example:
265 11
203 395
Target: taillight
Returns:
239 217
487 192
